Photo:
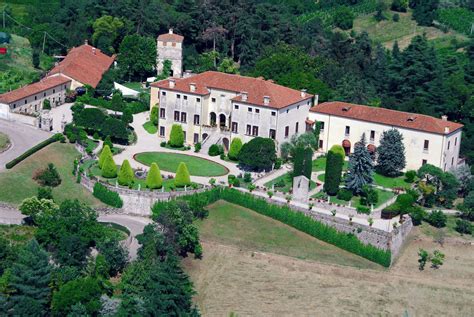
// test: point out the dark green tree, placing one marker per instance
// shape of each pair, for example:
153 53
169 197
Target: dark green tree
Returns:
176 136
334 164
35 58
258 154
343 18
137 56
391 153
303 162
85 291
424 11
361 167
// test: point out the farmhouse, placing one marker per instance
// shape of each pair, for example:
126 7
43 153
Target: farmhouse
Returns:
426 139
214 107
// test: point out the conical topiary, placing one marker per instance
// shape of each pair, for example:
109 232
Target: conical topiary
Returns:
235 147
103 154
182 176
154 179
109 169
125 175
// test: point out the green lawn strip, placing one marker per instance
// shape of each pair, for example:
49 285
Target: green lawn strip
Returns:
17 184
288 183
321 177
232 224
384 196
4 141
319 164
390 182
91 145
150 127
169 162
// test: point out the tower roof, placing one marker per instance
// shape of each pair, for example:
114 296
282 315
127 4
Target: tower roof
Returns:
171 37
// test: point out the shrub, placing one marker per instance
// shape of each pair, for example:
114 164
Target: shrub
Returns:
236 182
154 115
125 175
402 205
96 136
176 136
417 215
46 104
335 161
344 18
34 149
369 196
214 150
235 147
410 176
49 176
231 178
278 163
106 152
109 168
396 17
222 156
197 147
247 177
45 193
437 219
108 142
363 210
423 258
344 194
463 226
258 154
153 178
182 176
399 5
163 144
107 196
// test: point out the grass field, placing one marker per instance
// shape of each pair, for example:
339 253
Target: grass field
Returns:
150 127
169 162
447 231
17 234
319 164
390 182
4 141
17 184
235 225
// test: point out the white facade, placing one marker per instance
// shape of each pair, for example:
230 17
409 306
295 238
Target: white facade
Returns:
421 147
170 49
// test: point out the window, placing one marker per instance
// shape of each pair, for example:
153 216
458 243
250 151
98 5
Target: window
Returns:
249 109
236 107
321 143
449 144
274 113
452 161
176 116
198 99
348 130
423 162
183 117
257 110
196 119
287 131
297 125
255 131
455 141
235 127
162 113
322 125
36 98
196 137
297 107
213 100
249 128
163 93
44 94
372 135
26 101
272 134
426 145
184 135
14 105
162 131
287 110
185 97
178 96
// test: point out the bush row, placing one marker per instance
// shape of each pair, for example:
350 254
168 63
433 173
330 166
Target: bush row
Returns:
107 196
134 106
34 149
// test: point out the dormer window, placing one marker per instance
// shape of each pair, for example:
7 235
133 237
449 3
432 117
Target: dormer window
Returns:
411 119
345 109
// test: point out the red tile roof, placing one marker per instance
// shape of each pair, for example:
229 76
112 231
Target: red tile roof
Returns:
171 37
388 117
33 89
85 64
256 88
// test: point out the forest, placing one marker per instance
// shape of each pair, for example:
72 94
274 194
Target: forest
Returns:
298 43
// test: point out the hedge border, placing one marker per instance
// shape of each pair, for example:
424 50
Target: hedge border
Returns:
34 149
107 196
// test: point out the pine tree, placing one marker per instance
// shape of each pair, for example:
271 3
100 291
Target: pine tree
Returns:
176 136
235 147
360 167
154 179
109 168
103 154
125 175
391 153
182 176
334 164
31 275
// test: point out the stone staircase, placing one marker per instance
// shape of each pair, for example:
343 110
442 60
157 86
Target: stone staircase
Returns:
213 138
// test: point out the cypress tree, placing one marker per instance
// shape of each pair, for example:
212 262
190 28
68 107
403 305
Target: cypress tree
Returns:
176 136
360 167
182 176
154 179
334 163
125 175
31 275
103 154
303 163
235 147
109 168
391 154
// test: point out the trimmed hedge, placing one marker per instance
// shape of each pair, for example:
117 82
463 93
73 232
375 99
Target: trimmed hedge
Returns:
300 221
107 196
34 149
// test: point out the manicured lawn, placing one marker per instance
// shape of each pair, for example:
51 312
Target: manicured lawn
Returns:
319 164
4 141
91 145
234 225
17 184
150 127
321 177
287 181
169 162
355 201
390 182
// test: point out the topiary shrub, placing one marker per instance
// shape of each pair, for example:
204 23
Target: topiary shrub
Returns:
176 136
182 176
334 164
344 194
125 175
437 219
410 176
214 150
106 152
235 147
109 168
154 179
197 147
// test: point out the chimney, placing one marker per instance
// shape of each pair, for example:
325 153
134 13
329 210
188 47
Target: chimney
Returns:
93 50
172 83
188 73
446 130
303 93
316 100
192 87
266 100
86 42
170 31
444 118
244 96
